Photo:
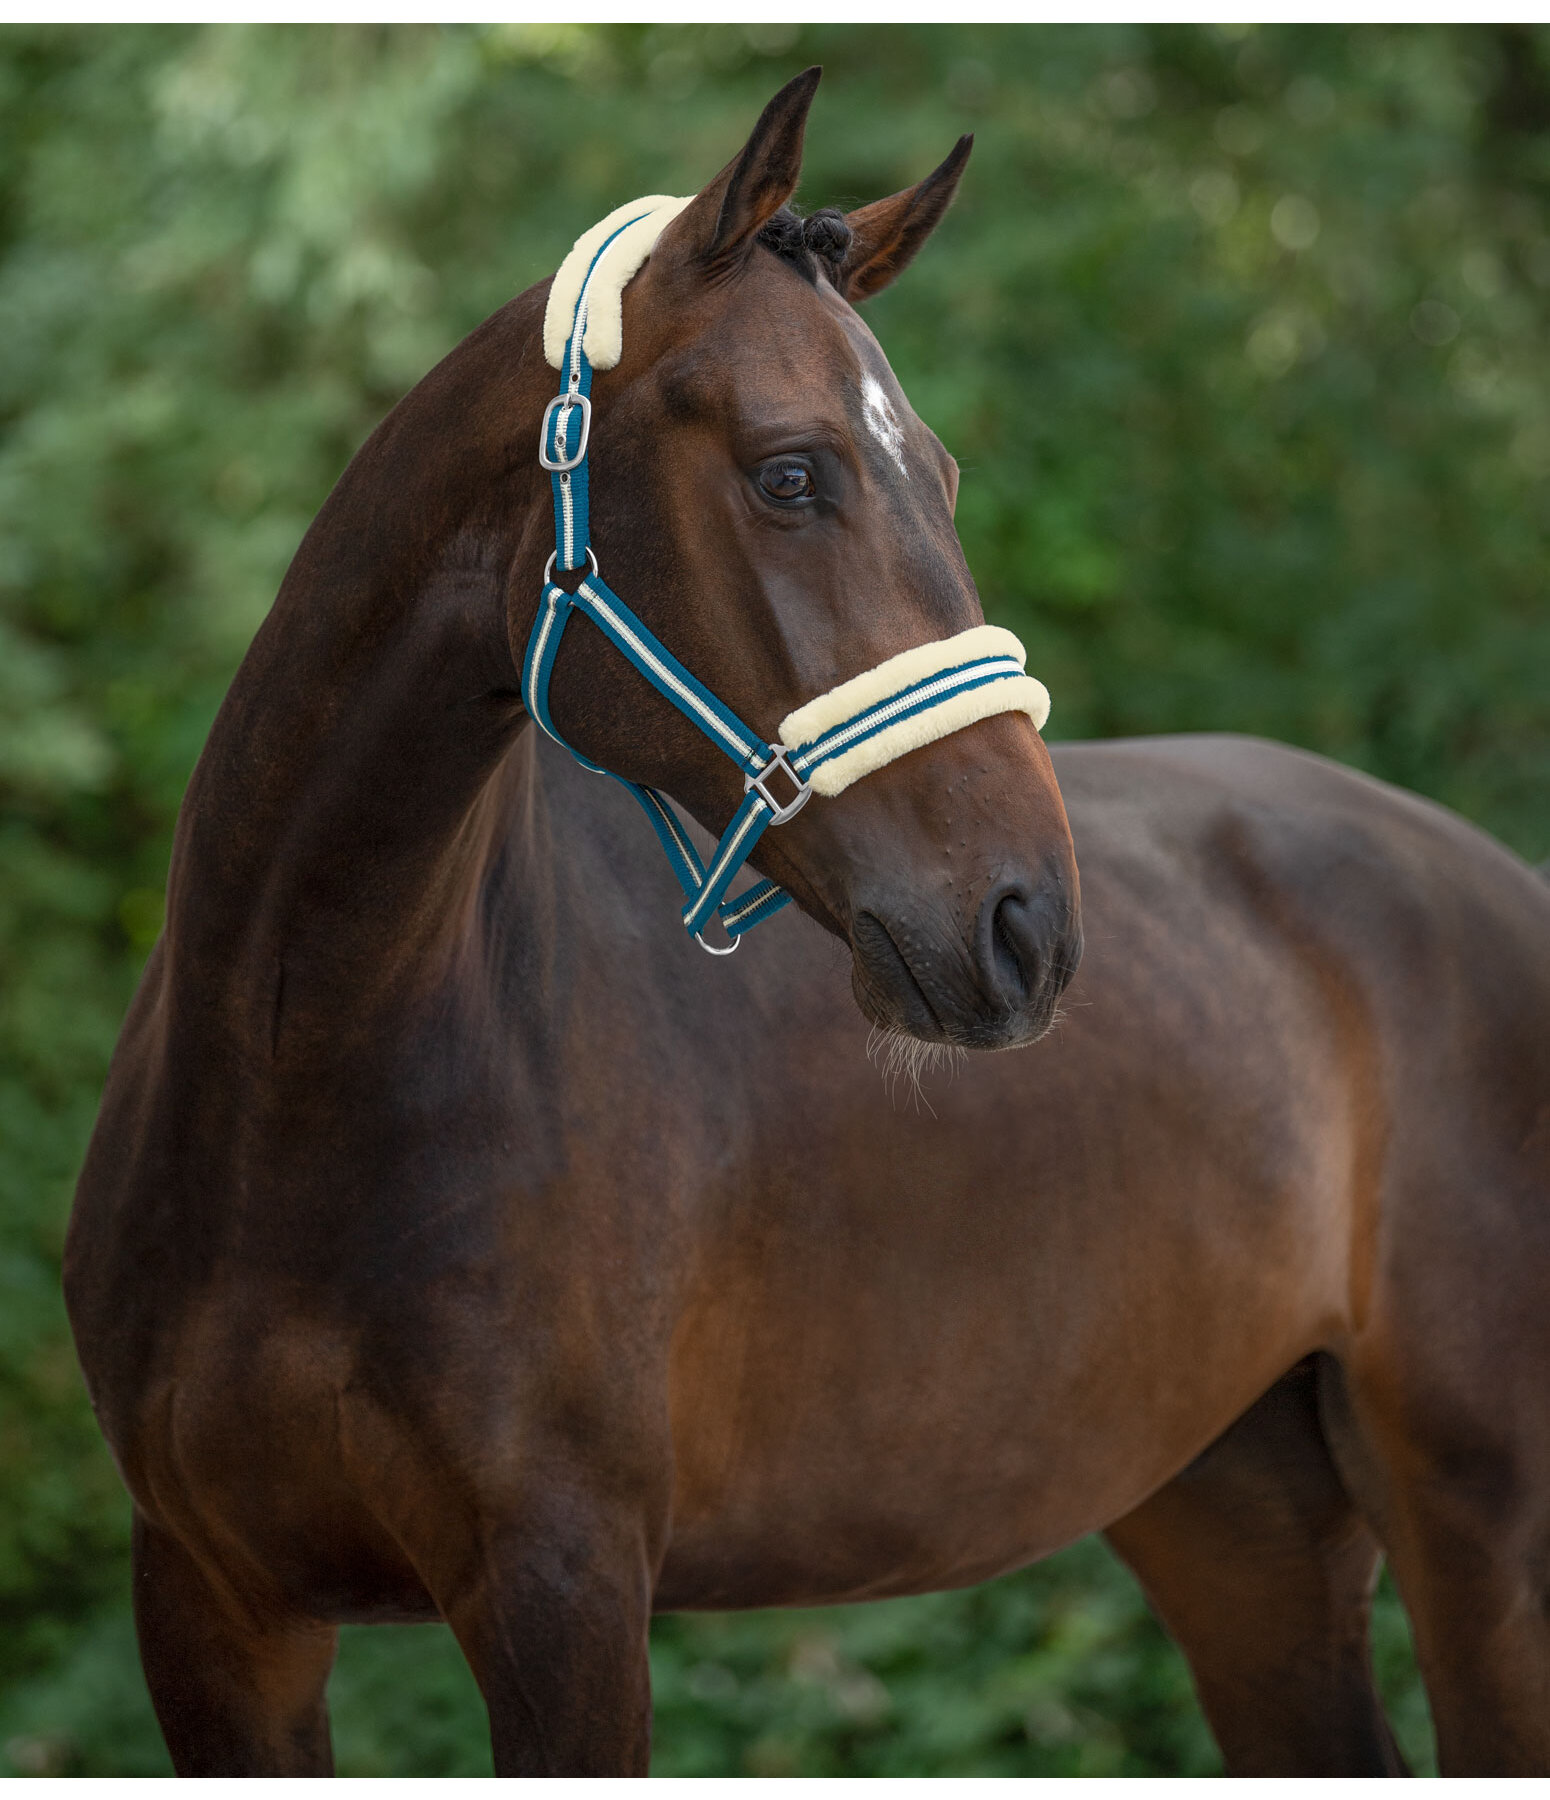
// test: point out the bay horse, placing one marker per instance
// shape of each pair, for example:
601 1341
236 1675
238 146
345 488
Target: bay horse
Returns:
457 1241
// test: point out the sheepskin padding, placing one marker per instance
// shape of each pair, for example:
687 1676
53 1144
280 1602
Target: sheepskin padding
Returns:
602 337
1014 693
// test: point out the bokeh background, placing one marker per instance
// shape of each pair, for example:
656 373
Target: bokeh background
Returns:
1240 337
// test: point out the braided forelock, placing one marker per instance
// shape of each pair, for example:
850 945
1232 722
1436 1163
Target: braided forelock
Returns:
821 238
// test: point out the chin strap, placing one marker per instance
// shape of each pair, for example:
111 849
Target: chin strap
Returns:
910 700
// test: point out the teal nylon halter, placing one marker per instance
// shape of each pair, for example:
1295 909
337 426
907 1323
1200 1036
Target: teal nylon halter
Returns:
563 440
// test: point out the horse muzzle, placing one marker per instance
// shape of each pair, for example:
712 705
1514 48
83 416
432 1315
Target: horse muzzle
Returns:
987 983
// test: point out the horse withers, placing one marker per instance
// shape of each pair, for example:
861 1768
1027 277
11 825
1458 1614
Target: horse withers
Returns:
457 1240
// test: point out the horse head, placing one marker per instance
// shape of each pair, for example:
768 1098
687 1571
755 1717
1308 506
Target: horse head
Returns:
772 509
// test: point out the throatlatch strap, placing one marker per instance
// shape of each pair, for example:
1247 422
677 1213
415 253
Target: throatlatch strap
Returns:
911 699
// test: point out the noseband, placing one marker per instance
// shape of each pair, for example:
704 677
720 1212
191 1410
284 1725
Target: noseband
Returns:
821 748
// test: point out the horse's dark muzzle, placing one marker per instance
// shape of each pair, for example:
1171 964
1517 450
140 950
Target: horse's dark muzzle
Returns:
992 989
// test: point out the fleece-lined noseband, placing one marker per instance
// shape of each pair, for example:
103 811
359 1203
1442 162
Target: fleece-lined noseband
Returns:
821 748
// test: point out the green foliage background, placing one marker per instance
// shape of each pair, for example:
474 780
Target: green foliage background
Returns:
1240 338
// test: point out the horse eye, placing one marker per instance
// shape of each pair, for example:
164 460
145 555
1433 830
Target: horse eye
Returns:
787 481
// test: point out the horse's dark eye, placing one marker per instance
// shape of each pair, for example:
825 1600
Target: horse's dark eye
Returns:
787 481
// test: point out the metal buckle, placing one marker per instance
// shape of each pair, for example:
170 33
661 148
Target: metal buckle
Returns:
562 465
804 788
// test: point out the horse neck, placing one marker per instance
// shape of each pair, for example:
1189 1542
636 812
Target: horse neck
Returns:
362 775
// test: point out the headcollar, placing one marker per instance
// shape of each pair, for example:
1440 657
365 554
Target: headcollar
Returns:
910 700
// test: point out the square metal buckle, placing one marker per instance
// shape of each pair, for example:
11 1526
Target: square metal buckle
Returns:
562 465
804 789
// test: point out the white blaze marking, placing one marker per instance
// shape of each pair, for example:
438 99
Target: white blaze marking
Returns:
882 421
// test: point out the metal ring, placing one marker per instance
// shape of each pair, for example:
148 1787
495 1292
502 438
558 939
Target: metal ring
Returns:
549 566
711 950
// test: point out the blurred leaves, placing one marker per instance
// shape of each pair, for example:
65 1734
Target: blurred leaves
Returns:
1239 335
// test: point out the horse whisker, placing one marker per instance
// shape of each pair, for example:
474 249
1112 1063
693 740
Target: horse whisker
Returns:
902 1058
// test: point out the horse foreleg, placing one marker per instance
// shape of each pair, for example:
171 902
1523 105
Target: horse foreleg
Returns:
552 1612
1258 1564
235 1693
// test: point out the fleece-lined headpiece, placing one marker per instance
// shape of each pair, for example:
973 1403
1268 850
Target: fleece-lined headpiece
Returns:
602 338
910 700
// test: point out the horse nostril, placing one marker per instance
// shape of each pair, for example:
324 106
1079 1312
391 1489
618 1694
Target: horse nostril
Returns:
1010 958
1024 943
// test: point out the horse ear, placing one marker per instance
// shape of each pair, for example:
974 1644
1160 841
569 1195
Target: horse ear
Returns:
720 224
885 235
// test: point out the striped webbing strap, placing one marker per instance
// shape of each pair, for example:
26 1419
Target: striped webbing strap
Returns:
777 780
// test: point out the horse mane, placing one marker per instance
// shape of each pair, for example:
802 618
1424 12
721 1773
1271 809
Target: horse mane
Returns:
820 237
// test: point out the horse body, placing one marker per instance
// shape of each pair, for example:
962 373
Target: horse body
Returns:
846 1345
457 1240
